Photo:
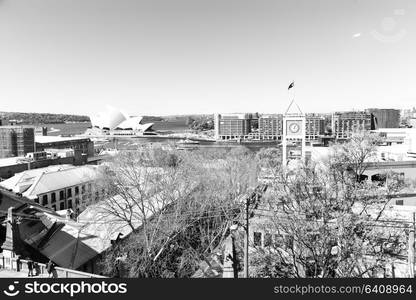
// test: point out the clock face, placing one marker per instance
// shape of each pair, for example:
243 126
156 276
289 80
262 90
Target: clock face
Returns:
294 127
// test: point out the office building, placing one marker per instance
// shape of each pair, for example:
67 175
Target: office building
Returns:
16 141
315 126
385 118
236 126
345 123
270 127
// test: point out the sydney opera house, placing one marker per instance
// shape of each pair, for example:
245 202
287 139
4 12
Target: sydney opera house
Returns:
113 121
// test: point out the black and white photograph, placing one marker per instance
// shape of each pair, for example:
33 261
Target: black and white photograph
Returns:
267 142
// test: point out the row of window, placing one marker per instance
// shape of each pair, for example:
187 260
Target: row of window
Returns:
68 193
277 240
44 199
62 204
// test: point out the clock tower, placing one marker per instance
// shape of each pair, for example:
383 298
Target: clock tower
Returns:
294 134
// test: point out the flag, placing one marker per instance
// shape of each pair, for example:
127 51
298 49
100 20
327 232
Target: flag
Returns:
291 85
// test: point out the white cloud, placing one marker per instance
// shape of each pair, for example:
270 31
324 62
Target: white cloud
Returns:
356 35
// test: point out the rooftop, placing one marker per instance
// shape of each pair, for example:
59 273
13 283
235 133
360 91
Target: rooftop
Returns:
9 161
53 139
16 126
32 183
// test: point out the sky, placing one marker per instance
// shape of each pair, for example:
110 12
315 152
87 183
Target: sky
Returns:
163 57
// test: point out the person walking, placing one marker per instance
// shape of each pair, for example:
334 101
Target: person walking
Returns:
36 268
50 268
30 267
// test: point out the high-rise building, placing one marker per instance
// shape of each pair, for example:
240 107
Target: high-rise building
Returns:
345 123
315 126
271 127
233 126
385 118
16 141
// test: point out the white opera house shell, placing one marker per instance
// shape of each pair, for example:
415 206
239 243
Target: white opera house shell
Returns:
114 120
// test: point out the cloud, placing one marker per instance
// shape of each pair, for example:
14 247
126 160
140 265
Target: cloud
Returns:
356 35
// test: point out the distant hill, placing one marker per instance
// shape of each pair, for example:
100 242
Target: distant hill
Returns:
40 118
189 121
151 119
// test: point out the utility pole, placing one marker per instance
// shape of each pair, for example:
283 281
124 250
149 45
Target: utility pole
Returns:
246 238
413 244
253 198
411 250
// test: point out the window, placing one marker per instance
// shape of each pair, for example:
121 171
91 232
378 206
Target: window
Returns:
399 177
54 207
53 197
61 195
283 241
76 190
83 189
380 179
45 200
76 201
62 206
37 200
89 187
69 192
69 203
257 239
267 240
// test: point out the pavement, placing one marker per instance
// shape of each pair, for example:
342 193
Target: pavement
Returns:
13 274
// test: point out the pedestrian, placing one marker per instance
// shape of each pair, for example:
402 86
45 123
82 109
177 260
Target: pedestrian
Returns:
36 268
50 267
30 267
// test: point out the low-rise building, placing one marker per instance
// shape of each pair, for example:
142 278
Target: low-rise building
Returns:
82 144
56 187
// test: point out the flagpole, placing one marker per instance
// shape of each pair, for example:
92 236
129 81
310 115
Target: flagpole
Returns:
293 89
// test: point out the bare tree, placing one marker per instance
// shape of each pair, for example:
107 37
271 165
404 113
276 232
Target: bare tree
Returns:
184 209
318 218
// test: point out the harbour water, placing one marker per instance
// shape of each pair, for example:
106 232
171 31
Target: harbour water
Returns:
79 128
129 143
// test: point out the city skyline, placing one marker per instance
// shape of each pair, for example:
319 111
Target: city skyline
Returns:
201 57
